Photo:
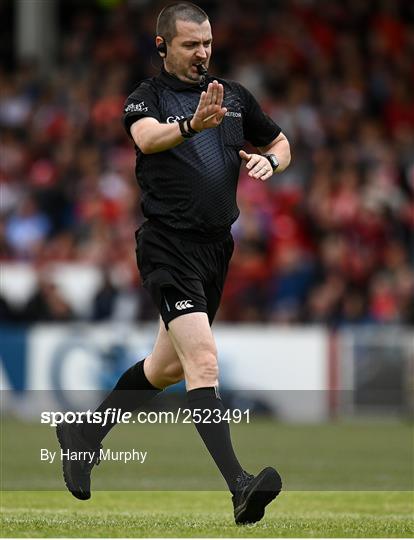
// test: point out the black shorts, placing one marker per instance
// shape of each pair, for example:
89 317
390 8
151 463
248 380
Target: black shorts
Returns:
182 275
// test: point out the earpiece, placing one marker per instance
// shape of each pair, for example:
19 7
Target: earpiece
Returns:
162 49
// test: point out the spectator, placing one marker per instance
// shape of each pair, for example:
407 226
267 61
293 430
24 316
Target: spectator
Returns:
47 303
330 241
103 303
27 229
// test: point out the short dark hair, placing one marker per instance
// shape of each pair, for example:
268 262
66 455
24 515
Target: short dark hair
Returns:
183 11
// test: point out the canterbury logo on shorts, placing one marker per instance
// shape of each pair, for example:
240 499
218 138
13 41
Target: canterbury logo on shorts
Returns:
183 304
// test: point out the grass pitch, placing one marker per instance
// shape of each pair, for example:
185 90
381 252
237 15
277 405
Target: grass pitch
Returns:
206 514
351 456
334 460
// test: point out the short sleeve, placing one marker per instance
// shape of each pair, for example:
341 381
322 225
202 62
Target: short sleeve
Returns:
259 129
142 102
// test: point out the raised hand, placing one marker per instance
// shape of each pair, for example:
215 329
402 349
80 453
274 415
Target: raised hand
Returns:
210 112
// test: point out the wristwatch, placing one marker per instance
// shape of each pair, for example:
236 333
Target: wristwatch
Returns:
272 160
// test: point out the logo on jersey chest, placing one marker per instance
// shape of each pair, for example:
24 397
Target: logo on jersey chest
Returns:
176 118
172 119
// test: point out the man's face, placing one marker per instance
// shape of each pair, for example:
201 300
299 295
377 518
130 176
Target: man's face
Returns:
191 46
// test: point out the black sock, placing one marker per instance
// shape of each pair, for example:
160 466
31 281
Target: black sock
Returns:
132 390
216 437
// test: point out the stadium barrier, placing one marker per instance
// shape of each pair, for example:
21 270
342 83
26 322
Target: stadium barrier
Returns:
301 374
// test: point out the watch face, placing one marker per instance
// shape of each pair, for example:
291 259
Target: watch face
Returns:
273 161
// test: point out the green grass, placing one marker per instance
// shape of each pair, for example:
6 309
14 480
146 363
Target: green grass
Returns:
205 514
340 479
359 456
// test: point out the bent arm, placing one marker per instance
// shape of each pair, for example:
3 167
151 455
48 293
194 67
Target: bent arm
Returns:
281 149
152 136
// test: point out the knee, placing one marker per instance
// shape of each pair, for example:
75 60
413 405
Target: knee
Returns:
162 375
208 368
172 374
203 368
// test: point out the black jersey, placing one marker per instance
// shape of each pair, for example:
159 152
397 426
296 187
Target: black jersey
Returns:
192 187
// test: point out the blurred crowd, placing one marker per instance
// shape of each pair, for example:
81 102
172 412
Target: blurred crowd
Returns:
330 241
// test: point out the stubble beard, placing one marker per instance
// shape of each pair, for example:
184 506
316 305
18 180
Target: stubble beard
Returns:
173 68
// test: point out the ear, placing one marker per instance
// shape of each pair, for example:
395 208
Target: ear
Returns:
161 46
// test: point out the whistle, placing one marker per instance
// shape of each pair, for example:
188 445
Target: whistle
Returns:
202 70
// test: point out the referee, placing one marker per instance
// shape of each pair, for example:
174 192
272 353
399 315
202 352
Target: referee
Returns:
188 129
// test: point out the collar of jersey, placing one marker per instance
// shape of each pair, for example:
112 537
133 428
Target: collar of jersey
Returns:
174 82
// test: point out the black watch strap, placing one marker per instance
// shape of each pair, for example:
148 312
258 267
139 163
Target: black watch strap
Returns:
274 162
190 129
185 128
